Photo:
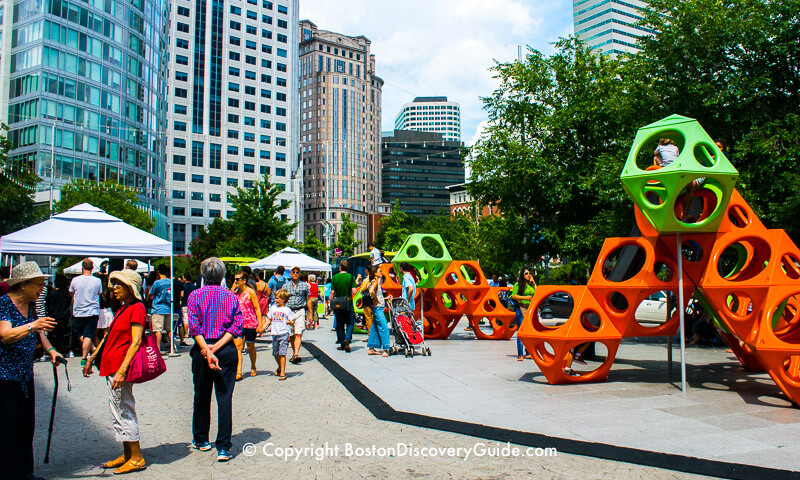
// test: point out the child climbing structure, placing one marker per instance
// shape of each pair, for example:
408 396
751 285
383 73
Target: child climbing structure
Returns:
747 276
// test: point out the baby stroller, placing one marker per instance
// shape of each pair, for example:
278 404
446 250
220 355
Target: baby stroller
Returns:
406 331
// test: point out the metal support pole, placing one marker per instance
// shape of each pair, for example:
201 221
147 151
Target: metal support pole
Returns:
681 312
327 204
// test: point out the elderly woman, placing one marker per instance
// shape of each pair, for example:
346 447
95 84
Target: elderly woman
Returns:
19 329
120 346
215 319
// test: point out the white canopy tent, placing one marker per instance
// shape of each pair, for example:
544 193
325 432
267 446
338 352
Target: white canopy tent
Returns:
141 267
85 230
289 258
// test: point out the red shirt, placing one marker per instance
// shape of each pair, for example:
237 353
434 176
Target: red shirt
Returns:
119 337
313 290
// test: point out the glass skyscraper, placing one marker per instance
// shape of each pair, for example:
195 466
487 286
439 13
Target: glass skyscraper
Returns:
233 108
84 92
609 25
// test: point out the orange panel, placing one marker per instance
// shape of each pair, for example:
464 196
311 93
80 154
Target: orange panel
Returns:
500 318
784 368
740 217
695 265
439 326
743 352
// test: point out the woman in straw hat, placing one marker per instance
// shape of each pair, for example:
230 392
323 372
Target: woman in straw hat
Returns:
121 344
19 330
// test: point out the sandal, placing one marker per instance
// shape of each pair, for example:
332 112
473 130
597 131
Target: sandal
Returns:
130 466
277 372
282 377
372 351
238 376
116 463
253 373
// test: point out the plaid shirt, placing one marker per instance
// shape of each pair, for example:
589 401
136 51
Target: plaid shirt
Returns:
213 311
298 294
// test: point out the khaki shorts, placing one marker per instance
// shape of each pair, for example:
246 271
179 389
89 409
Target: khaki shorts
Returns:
158 320
299 322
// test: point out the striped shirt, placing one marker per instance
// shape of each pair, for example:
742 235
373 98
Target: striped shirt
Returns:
213 311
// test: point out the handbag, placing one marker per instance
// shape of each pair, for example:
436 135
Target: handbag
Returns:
367 300
341 304
147 363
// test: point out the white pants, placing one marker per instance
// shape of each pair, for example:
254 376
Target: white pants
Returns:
123 411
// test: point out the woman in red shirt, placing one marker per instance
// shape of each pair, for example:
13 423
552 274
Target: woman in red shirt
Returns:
312 321
121 344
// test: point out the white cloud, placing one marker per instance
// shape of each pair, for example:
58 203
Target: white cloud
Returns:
443 47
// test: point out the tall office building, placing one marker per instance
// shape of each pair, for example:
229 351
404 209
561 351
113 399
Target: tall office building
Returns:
609 25
417 168
431 114
233 108
340 131
83 83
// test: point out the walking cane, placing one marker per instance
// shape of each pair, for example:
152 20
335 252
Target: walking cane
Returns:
59 360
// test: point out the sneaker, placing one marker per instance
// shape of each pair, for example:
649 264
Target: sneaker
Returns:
223 455
571 372
579 359
83 362
203 447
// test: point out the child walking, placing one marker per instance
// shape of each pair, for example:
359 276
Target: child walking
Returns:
278 319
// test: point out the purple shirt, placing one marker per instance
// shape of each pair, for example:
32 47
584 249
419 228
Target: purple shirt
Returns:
213 311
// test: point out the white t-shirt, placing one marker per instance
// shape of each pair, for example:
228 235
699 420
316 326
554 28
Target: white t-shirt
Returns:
86 292
278 316
375 255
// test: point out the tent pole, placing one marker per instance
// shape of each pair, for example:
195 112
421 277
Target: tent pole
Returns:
172 352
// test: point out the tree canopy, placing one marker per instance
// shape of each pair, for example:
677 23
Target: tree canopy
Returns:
17 183
561 125
115 199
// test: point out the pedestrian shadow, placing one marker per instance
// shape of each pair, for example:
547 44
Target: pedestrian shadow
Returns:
252 435
166 453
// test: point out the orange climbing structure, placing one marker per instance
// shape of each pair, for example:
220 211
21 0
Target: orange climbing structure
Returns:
747 276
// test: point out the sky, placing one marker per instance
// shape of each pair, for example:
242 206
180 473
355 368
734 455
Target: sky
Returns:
443 47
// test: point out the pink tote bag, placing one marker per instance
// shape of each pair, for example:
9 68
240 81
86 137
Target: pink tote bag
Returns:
147 364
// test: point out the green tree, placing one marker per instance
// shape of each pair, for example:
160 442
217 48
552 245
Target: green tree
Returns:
734 65
17 183
213 240
312 246
115 199
553 152
258 226
346 239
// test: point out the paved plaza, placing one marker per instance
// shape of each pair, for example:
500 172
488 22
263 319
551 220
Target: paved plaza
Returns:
727 415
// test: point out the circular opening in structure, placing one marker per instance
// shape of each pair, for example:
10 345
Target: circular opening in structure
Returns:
617 302
790 265
791 367
449 301
438 268
705 154
476 297
692 251
593 354
432 247
655 193
557 306
657 309
472 276
544 352
738 216
695 203
646 152
743 260
739 304
623 263
590 321
412 251
786 319
489 305
663 272
451 279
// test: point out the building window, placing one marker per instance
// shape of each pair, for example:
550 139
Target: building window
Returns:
183 27
232 182
178 211
233 166
233 87
197 196
197 178
179 143
178 194
249 168
183 11
197 212
214 197
179 160
178 176
215 181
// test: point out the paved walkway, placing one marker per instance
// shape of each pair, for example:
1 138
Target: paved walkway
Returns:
728 415
310 409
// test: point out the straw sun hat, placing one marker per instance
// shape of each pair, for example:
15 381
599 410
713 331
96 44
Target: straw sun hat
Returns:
130 279
24 271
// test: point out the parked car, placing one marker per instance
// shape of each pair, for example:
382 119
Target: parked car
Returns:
654 309
558 305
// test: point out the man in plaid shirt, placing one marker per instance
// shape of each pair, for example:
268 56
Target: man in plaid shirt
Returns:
299 301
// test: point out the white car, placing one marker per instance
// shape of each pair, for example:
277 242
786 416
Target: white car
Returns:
653 309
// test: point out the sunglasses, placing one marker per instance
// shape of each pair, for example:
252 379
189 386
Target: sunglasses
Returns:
238 279
296 272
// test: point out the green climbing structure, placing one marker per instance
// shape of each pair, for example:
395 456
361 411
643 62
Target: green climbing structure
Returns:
427 254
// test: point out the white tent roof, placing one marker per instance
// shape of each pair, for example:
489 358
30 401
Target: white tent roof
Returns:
77 269
85 230
288 258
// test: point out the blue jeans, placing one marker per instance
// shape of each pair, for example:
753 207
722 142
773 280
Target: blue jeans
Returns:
379 333
344 326
518 321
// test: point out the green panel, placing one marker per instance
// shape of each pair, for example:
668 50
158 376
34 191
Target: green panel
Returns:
429 267
699 157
